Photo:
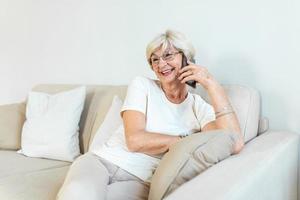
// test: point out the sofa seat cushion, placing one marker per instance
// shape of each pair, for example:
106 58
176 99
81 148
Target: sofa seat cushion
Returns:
36 185
25 178
13 163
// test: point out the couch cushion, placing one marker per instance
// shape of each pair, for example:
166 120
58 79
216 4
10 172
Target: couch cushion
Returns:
97 103
103 99
246 103
13 163
188 158
110 124
51 128
85 120
12 117
37 185
28 178
267 168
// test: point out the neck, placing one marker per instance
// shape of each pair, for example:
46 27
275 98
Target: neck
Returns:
175 92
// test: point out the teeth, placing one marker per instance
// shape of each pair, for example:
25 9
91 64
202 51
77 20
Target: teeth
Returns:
166 71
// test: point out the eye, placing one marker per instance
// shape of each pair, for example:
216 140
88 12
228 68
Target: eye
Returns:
168 56
154 60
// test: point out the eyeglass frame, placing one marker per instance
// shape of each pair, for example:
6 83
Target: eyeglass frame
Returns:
164 55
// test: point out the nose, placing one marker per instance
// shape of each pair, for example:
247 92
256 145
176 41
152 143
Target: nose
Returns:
161 62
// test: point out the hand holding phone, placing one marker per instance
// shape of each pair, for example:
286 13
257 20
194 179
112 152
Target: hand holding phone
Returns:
191 83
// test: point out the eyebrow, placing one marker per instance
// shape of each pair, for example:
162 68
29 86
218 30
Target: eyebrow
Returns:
166 51
154 55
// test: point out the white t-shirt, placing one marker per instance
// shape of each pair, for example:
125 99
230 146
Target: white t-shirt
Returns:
162 116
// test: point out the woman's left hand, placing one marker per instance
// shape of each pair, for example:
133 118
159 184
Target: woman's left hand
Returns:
198 73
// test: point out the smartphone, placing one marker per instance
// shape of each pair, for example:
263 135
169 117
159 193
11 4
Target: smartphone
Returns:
191 83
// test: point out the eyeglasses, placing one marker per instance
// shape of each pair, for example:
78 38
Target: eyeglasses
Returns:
167 57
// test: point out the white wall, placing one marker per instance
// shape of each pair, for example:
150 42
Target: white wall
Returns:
254 43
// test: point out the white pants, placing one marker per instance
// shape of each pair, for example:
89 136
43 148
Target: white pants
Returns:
93 178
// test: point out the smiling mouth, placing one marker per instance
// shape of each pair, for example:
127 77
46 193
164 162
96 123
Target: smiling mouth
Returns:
167 72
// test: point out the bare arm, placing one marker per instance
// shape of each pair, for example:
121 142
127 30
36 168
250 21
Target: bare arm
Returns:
229 121
139 140
219 101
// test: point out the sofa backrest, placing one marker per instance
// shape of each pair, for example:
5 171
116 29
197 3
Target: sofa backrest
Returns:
245 101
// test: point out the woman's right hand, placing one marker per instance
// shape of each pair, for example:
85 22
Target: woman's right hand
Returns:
198 73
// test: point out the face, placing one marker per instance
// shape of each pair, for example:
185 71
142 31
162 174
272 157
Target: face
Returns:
166 64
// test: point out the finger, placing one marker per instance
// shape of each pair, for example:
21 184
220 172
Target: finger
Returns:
188 78
187 73
186 68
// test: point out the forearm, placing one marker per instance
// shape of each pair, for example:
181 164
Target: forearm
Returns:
219 101
225 117
150 143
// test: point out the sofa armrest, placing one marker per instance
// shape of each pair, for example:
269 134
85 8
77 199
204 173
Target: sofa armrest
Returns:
263 125
267 168
12 117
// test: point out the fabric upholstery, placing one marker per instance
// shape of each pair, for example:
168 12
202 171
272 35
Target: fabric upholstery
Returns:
246 103
28 178
110 124
87 113
35 185
98 100
12 117
188 158
261 171
51 127
263 125
267 168
97 103
13 163
103 99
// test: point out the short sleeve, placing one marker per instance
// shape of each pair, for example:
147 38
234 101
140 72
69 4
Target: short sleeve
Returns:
204 111
136 97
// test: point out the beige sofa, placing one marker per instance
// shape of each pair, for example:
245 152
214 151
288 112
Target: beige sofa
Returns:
266 169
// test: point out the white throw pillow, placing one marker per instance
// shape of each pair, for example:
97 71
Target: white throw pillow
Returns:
111 122
51 128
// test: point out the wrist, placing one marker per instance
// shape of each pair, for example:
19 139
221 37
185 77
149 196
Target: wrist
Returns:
213 85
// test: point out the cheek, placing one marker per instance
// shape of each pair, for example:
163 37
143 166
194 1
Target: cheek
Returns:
155 71
177 65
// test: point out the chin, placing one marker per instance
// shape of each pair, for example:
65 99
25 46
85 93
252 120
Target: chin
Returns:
168 79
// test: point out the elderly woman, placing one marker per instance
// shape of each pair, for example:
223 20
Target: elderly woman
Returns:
156 114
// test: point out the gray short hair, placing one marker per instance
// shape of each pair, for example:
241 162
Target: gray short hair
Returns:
171 38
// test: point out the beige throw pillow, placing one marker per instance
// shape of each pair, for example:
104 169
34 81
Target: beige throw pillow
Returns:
12 117
188 158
